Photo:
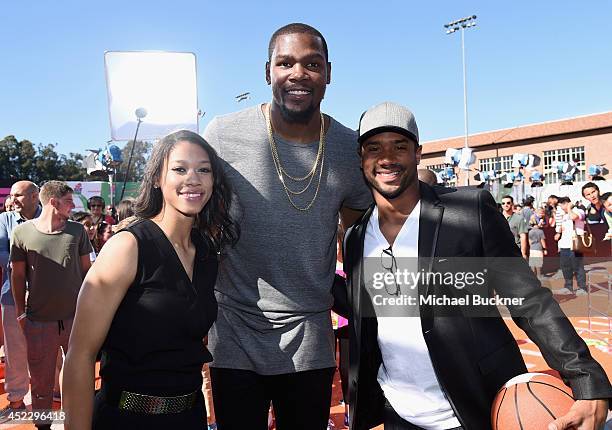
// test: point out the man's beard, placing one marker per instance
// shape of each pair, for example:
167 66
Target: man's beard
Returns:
298 117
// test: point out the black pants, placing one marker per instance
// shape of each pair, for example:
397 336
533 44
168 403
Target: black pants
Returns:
242 398
394 422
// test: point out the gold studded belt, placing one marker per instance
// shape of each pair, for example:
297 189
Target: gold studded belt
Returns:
145 404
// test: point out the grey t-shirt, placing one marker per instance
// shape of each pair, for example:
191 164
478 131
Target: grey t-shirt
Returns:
274 287
518 226
53 268
535 239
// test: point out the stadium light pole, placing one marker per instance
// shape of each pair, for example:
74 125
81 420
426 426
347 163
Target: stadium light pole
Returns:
452 27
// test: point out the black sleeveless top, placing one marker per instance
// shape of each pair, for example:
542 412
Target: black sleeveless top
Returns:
155 342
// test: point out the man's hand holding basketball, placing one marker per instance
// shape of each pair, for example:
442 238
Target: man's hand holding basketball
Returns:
583 415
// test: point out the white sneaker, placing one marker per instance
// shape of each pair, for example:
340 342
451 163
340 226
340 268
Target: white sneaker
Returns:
562 292
581 292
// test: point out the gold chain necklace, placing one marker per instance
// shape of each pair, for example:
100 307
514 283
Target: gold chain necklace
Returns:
281 172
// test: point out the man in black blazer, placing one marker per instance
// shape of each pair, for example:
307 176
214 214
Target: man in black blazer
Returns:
444 372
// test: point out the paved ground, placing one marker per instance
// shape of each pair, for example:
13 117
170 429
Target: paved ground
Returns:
594 328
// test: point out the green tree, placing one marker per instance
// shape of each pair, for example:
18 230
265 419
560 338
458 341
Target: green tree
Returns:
47 164
72 167
20 160
139 160
17 158
5 162
25 159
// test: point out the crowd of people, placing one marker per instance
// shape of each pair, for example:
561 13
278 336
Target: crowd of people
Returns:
34 347
227 257
556 229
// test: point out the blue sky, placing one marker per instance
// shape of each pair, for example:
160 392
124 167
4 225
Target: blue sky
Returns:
527 61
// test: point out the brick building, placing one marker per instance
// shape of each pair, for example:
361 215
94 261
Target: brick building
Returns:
585 139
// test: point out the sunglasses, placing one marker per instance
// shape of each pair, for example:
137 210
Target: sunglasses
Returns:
388 262
96 206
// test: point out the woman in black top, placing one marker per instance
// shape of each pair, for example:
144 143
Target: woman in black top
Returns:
148 301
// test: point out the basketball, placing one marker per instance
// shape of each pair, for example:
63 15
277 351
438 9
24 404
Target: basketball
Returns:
530 401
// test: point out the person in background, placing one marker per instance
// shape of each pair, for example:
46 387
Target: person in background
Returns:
537 244
571 262
49 254
24 194
518 209
96 205
112 212
8 204
85 219
104 232
539 218
595 209
528 209
125 209
554 212
606 198
517 224
580 205
125 214
427 176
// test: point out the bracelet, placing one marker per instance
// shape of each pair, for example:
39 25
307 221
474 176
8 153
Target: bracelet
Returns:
22 316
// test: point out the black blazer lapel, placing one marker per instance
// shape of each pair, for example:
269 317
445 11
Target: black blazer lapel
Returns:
354 251
429 227
367 399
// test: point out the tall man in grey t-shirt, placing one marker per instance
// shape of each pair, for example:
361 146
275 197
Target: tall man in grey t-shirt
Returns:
292 170
51 253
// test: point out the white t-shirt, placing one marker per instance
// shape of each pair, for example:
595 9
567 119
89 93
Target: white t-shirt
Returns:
559 213
407 376
568 226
